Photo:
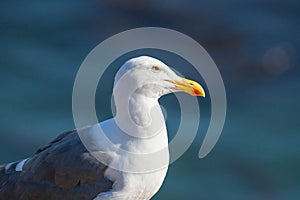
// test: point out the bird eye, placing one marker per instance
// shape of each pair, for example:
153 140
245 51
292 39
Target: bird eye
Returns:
155 69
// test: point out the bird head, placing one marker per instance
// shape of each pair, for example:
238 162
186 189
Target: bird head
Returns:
153 78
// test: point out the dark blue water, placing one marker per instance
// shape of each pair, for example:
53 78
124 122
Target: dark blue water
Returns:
254 43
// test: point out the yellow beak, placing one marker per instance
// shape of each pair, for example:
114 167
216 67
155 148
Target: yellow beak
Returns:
191 87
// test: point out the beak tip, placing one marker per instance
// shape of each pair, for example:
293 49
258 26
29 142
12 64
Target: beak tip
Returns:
202 94
199 91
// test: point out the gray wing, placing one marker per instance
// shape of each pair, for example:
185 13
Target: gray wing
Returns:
63 169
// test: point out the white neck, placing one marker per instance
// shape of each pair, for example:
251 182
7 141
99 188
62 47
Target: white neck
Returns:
138 115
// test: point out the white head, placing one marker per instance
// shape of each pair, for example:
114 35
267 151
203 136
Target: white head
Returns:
152 78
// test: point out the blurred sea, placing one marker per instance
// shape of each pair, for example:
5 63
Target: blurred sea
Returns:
255 44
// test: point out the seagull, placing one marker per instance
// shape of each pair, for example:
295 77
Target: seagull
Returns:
123 158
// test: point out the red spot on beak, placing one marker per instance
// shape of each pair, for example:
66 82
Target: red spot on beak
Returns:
196 92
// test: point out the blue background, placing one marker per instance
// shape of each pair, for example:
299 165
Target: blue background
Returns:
255 44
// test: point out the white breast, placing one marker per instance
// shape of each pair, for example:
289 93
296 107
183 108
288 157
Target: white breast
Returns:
131 185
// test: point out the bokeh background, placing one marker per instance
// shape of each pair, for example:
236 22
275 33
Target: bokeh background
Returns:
254 43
